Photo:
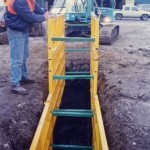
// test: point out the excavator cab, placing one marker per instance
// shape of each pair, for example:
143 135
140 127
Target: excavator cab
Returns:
76 10
107 8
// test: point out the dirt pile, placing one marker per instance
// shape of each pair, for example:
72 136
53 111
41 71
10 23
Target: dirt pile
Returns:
124 88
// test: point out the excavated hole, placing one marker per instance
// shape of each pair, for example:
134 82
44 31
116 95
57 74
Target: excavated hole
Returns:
74 131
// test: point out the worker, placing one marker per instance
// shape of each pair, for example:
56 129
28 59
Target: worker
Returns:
19 18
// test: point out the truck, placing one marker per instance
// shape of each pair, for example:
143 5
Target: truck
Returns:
131 11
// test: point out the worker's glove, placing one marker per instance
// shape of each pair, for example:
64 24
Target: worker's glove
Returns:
53 15
47 16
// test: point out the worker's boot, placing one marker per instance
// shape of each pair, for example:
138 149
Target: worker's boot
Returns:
19 90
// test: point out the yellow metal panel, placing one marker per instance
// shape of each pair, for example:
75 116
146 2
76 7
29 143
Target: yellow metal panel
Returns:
55 28
49 54
99 137
102 134
94 51
56 66
37 143
43 135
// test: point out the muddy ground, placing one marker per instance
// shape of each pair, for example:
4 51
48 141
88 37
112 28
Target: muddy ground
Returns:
124 87
124 90
19 115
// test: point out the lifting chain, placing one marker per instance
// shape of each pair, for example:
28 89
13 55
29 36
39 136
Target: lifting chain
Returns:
97 10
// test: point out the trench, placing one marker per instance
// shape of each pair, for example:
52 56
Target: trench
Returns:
74 131
68 130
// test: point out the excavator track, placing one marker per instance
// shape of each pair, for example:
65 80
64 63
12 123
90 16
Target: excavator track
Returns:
108 34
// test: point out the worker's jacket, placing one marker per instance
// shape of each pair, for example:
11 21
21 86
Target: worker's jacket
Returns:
22 14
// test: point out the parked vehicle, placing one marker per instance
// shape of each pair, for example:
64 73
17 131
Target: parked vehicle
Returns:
130 11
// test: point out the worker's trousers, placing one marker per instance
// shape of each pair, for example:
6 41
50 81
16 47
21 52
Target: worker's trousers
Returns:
18 43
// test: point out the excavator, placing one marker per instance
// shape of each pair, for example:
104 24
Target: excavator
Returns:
79 11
